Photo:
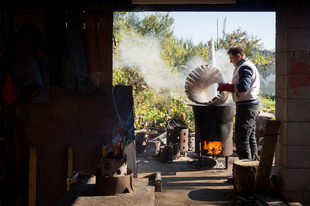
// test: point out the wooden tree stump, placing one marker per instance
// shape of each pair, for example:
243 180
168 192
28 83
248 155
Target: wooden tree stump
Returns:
244 176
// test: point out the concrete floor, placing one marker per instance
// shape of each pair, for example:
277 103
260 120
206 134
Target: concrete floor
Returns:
184 183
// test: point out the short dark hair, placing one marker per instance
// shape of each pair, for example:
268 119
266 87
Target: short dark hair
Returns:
236 50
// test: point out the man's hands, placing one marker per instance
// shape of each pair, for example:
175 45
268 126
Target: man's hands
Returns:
226 87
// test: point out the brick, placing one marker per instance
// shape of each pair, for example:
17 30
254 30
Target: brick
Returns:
298 63
282 138
281 109
298 15
282 64
298 180
293 184
294 133
297 39
280 154
281 40
281 16
297 109
293 157
281 86
298 157
298 90
300 196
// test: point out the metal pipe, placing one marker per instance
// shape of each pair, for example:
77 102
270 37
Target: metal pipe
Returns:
72 179
226 162
158 183
199 156
212 90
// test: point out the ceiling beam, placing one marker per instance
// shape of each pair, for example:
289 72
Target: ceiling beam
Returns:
184 1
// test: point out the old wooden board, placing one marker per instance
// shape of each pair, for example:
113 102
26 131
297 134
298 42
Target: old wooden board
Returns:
266 158
70 160
32 175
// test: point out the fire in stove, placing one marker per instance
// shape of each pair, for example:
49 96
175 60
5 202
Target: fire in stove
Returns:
113 176
213 148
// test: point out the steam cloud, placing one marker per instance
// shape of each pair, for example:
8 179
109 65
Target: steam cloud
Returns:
143 54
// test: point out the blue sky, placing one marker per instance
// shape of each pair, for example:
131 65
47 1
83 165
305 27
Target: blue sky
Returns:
202 26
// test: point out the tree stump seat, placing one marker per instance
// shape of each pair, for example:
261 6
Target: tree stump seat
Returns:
244 176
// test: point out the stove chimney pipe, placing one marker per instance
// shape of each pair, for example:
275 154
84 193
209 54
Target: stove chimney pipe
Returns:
212 88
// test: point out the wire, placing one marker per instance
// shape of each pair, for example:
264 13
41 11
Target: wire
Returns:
157 200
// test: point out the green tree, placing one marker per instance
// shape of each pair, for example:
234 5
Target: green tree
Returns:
241 38
158 25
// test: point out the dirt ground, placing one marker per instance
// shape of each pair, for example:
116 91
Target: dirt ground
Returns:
184 183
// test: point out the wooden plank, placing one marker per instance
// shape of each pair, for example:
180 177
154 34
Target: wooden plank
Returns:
294 204
70 161
32 175
266 158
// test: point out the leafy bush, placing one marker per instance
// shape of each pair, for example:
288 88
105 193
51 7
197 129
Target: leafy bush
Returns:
261 59
151 107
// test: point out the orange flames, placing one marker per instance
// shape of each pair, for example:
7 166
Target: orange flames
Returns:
212 147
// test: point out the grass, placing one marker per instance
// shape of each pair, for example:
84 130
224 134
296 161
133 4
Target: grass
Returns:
267 103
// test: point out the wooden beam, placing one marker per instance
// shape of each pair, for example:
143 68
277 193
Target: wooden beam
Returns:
32 175
266 158
70 161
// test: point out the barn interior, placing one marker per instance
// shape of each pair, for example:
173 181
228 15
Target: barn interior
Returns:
48 135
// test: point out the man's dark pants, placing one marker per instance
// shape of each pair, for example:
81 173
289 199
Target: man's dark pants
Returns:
245 141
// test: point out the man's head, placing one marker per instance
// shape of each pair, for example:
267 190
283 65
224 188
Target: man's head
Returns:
236 54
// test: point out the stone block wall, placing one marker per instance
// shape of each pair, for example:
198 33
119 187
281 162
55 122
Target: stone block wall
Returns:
267 78
293 99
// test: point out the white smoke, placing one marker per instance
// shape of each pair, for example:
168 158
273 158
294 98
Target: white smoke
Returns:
143 54
223 64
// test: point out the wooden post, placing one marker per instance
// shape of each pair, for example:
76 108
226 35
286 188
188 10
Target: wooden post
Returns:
104 151
266 158
70 161
32 175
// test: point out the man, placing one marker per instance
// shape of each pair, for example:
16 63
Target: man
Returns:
244 88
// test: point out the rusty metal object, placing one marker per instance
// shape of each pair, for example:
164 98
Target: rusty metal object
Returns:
153 148
191 142
114 185
176 150
198 82
166 153
113 167
183 140
72 179
173 135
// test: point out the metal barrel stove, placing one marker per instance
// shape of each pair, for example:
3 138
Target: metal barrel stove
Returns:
214 123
